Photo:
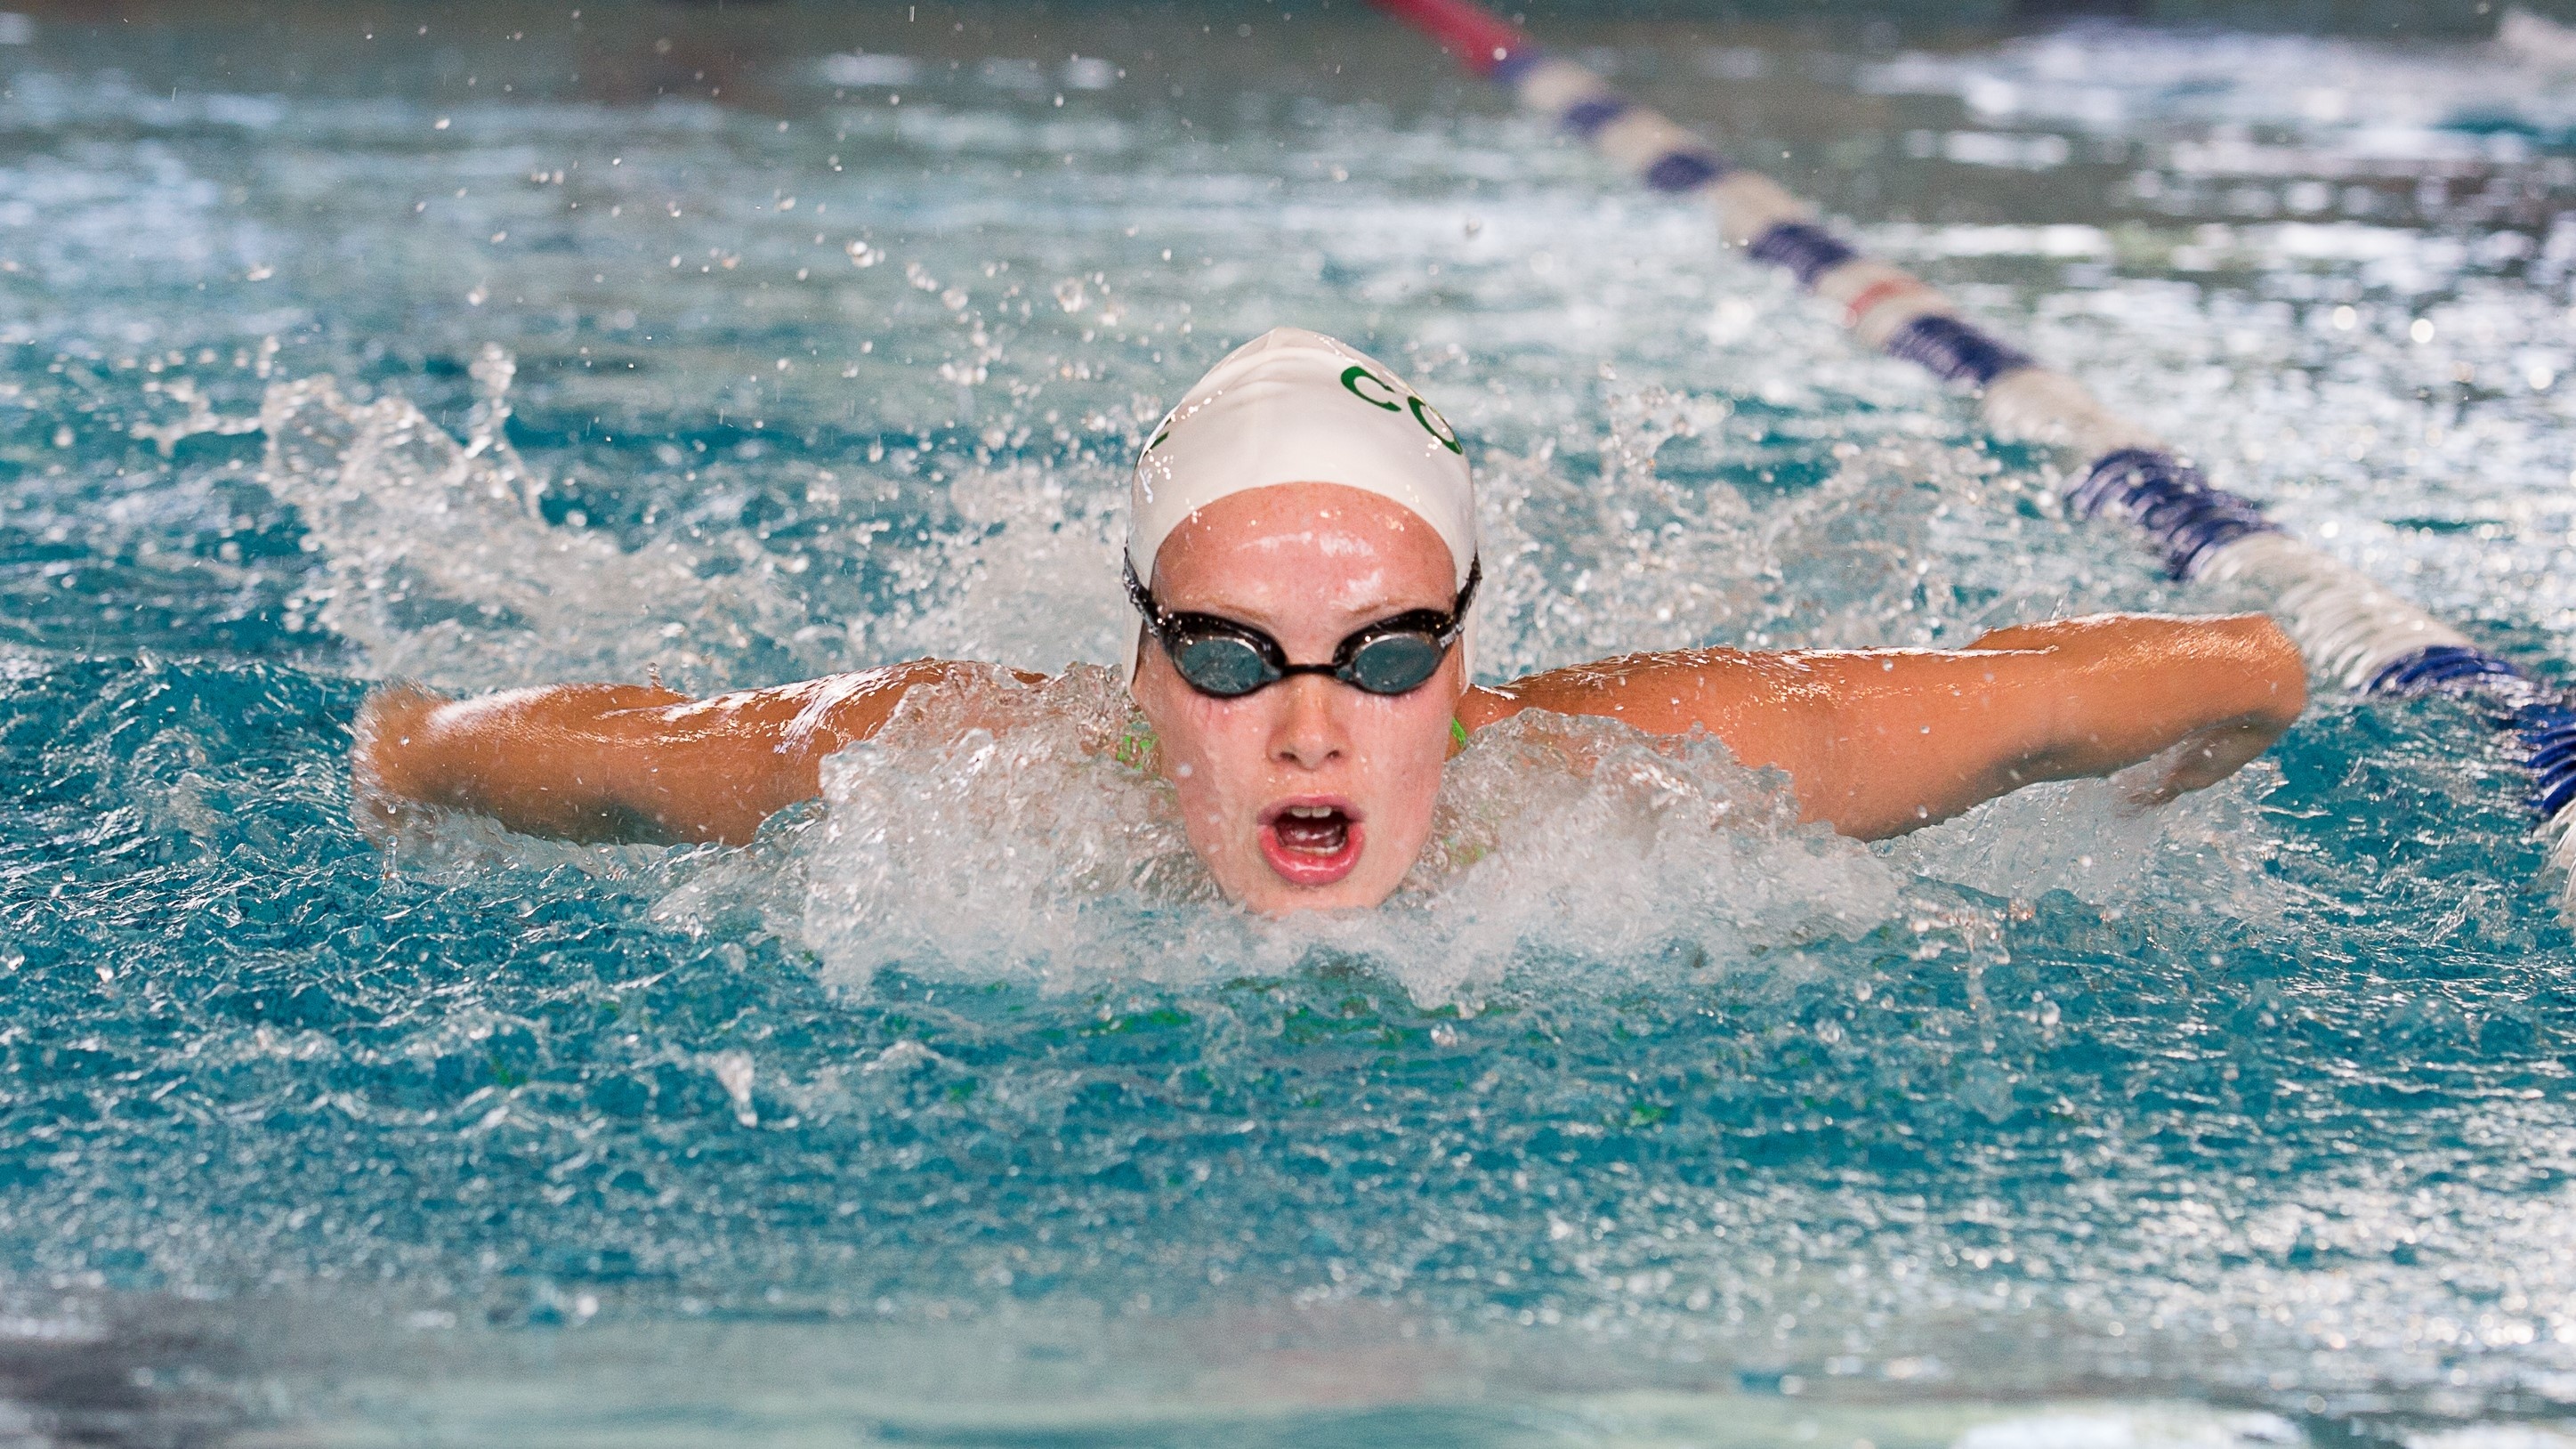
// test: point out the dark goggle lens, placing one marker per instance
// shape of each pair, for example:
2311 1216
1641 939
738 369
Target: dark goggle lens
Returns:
1394 663
1222 666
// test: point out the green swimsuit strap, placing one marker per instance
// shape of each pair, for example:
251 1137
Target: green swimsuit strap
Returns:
1136 746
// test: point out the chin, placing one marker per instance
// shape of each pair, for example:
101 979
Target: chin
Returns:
1277 899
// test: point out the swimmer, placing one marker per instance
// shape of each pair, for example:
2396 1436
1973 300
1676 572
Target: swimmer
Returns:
1302 561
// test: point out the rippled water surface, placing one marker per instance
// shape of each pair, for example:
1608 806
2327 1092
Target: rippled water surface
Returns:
486 346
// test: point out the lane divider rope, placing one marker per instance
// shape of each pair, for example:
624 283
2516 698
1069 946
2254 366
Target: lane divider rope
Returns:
2355 633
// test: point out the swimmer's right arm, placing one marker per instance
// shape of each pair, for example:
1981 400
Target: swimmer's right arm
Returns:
619 762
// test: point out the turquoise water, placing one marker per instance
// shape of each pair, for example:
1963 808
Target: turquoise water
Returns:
953 1110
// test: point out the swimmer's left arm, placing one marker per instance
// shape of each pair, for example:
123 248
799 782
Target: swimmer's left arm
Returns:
1880 742
2194 699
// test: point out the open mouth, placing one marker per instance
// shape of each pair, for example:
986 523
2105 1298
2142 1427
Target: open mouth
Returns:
1311 842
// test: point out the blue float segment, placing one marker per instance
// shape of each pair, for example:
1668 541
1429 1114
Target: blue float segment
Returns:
1807 251
1516 62
2547 727
2549 735
1587 116
2442 669
2187 519
1955 350
1686 170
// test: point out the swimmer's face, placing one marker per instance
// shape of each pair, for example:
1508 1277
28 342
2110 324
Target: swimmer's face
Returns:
1310 794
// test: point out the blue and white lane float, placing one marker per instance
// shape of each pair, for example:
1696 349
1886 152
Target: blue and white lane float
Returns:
2356 635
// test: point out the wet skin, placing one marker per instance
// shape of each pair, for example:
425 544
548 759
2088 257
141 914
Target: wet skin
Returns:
1312 794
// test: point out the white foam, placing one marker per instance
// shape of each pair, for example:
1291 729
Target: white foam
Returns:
2492 1436
2365 100
2207 850
2133 1427
435 563
987 833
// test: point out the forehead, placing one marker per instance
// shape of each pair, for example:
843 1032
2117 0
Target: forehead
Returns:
1305 537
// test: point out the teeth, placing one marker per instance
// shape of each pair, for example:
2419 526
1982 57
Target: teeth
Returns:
1313 812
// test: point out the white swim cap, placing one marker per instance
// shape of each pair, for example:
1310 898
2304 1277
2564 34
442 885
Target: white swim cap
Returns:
1293 406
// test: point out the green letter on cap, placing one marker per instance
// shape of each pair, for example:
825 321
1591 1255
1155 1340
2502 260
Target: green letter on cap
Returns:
1351 376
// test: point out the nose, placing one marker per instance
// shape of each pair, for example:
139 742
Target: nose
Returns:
1308 731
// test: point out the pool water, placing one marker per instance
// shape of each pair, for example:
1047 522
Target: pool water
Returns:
489 345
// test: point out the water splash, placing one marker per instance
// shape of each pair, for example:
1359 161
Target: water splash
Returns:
433 563
1979 1136
2357 102
1027 577
2210 848
988 834
989 815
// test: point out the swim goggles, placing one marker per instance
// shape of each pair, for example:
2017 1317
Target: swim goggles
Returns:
1217 656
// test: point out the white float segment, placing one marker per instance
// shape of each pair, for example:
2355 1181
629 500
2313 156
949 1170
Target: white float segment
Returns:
1749 203
2045 405
1895 298
1637 139
1553 85
2561 835
2348 627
